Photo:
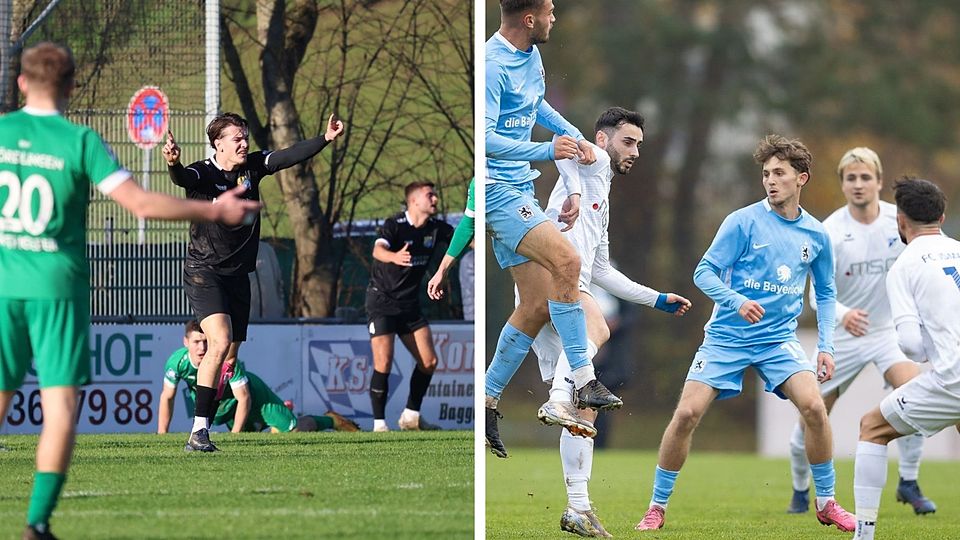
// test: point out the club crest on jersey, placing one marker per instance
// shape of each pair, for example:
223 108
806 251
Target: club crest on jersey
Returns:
525 212
244 180
428 242
805 253
891 241
783 273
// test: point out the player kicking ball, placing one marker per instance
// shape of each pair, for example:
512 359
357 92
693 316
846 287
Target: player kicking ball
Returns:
924 291
619 134
755 271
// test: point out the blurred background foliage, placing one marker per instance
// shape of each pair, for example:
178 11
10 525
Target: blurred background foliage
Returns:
711 78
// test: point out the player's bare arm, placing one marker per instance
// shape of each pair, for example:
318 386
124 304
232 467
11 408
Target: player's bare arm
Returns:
436 284
228 208
400 257
242 393
165 410
825 366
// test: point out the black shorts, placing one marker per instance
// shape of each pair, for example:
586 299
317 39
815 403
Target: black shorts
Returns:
387 317
210 293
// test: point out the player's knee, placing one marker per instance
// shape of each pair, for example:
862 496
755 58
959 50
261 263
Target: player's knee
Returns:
429 363
814 412
686 418
566 266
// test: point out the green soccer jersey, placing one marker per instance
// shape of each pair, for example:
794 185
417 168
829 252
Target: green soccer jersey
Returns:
468 211
47 164
180 368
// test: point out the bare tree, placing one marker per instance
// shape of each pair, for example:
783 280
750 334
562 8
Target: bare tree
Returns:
400 75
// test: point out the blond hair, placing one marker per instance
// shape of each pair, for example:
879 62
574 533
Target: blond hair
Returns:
860 154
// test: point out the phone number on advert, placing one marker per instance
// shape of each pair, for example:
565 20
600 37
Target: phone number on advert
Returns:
126 406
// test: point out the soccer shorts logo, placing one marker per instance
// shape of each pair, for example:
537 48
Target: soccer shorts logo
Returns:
373 330
698 365
525 212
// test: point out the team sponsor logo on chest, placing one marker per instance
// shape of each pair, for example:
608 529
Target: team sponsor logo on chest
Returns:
243 179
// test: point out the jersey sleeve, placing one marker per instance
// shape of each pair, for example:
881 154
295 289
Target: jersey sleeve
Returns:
469 209
388 233
569 174
239 376
825 290
100 163
549 118
498 146
903 307
728 245
171 373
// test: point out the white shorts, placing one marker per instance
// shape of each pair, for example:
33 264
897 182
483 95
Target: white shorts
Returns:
853 354
548 347
922 405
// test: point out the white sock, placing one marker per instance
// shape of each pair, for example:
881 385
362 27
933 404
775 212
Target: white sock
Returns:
491 402
864 531
869 476
576 455
799 465
822 501
379 423
200 422
408 413
563 382
583 375
911 448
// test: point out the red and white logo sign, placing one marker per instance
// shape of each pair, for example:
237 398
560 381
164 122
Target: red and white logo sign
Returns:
148 116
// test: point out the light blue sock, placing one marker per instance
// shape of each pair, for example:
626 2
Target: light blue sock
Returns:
824 478
571 324
663 481
512 348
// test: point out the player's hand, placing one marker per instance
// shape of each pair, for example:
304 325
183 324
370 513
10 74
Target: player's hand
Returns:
403 257
751 311
856 322
435 286
232 210
587 156
334 128
565 147
171 152
569 212
824 367
684 307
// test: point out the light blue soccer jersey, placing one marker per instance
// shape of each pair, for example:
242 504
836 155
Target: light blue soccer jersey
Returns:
515 86
764 257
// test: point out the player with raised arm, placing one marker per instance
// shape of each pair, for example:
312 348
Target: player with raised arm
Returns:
462 237
923 286
619 134
755 271
219 258
865 243
544 265
248 404
47 165
404 247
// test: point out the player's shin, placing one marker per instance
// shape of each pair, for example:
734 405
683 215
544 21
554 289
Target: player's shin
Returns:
201 414
512 347
869 477
379 386
569 320
576 455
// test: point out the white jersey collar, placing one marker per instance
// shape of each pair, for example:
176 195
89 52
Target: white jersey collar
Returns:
33 111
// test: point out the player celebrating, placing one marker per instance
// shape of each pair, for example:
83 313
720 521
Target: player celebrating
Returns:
248 403
401 254
864 238
46 166
542 263
619 134
924 290
462 237
219 258
755 271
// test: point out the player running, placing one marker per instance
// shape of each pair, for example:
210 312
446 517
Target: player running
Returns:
924 291
619 134
755 271
544 266
220 258
404 247
865 243
248 403
47 165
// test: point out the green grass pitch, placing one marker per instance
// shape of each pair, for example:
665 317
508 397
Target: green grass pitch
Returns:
718 496
297 485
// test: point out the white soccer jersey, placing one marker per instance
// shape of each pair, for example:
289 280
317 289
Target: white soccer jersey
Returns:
589 233
924 288
862 255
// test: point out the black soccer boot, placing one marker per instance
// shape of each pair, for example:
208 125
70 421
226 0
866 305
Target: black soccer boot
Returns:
30 533
200 441
493 433
908 492
594 395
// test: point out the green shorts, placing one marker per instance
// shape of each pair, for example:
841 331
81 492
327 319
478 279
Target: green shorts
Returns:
54 333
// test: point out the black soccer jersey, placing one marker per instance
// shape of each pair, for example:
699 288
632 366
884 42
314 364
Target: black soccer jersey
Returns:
397 284
228 250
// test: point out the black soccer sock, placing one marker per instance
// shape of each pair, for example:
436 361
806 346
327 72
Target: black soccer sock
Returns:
214 405
379 385
419 383
205 398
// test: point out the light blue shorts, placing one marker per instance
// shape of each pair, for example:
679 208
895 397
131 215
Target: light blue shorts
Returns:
511 212
722 366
